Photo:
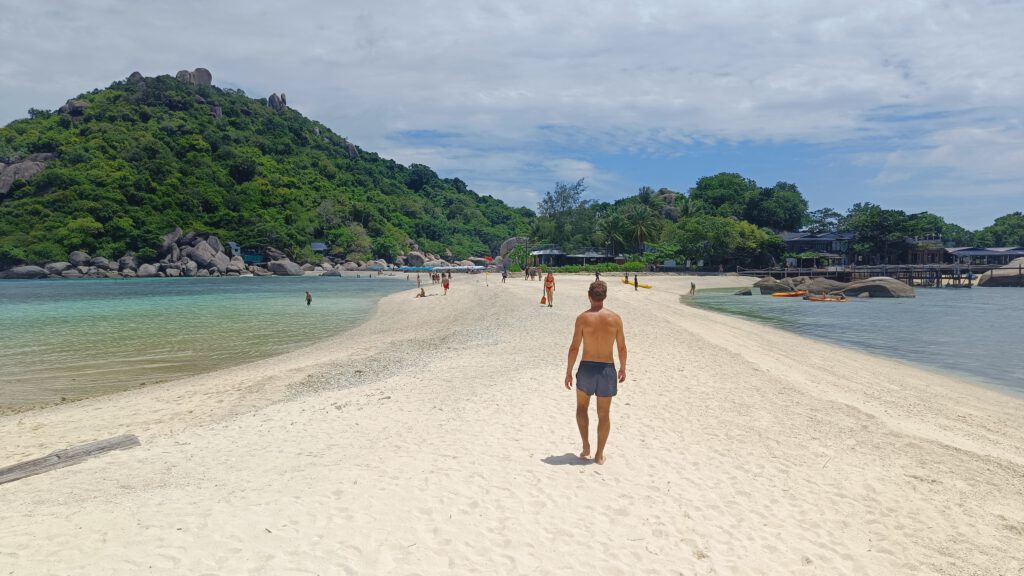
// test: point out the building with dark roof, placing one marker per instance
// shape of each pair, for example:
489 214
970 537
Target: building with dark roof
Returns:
979 255
835 246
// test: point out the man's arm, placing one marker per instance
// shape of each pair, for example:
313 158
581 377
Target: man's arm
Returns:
620 341
574 351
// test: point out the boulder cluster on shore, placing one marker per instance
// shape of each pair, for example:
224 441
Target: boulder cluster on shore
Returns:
202 255
877 287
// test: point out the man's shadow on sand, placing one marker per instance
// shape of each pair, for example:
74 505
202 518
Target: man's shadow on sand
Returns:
567 459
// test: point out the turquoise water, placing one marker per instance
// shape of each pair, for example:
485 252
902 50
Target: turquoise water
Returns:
74 339
976 333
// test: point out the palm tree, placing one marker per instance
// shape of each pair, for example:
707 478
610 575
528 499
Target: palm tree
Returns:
641 224
612 229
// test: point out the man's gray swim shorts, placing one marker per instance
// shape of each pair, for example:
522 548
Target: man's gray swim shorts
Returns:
597 378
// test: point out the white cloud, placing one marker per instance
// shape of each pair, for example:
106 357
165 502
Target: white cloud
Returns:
517 80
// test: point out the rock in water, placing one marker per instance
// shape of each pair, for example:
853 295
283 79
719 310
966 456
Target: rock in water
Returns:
147 271
285 268
100 262
879 287
1007 276
822 286
769 285
24 273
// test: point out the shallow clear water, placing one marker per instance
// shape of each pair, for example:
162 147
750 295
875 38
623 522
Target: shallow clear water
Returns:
977 333
75 339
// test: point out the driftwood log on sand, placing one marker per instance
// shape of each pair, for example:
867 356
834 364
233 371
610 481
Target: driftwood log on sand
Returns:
66 457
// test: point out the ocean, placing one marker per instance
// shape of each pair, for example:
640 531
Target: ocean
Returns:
976 333
71 339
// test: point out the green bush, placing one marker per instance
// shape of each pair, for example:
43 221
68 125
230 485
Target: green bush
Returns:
604 267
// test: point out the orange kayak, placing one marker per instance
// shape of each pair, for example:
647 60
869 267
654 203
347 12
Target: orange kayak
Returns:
823 298
795 294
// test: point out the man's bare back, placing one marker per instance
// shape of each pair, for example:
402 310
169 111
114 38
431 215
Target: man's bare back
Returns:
599 329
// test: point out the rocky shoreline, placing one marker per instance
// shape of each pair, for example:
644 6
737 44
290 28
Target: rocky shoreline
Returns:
201 255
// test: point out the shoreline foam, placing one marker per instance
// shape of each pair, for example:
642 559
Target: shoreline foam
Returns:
437 438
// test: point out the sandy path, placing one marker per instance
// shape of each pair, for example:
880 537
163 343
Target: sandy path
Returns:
437 439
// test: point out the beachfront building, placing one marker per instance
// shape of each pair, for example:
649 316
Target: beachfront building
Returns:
547 256
926 250
977 255
554 256
588 256
836 247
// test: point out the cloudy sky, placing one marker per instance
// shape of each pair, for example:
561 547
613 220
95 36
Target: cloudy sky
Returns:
914 105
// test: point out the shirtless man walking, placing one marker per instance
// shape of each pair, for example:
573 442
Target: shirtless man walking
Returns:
597 329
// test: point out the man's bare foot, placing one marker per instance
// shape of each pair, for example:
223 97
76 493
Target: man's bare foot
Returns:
586 452
599 459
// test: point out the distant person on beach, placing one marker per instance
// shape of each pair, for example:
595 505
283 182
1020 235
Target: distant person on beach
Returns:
417 279
597 275
445 283
309 298
504 275
693 288
626 276
549 288
636 282
596 329
421 294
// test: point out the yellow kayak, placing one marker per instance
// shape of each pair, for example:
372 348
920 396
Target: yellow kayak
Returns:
624 281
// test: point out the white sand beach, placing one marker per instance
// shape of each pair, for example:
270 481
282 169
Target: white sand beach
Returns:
438 438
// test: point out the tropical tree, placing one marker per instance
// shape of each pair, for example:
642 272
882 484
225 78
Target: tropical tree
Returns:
823 220
641 224
1007 230
881 234
611 231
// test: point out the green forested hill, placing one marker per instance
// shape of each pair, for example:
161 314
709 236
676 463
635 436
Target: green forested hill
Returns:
147 154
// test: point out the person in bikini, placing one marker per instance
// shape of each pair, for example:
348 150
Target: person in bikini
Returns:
549 289
597 329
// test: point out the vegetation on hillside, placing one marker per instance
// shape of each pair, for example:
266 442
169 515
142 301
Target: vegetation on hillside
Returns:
147 156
